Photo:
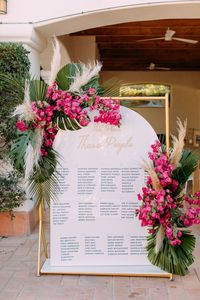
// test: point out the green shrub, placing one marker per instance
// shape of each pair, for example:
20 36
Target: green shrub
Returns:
11 195
14 69
14 59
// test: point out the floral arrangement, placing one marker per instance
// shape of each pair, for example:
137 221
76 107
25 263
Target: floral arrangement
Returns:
64 104
166 210
145 89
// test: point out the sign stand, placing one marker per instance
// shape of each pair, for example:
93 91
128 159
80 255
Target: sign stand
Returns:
135 271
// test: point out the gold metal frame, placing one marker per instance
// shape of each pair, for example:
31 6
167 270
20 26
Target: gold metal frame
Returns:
41 234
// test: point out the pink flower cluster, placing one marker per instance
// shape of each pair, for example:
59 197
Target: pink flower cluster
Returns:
108 111
21 125
159 206
162 166
61 104
192 214
68 104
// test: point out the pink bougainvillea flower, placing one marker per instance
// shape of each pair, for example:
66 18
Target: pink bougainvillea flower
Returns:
21 125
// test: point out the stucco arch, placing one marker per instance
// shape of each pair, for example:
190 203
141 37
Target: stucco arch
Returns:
116 15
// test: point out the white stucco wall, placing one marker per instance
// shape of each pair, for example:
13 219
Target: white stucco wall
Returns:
37 10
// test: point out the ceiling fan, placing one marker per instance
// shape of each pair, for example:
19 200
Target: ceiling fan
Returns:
153 67
169 37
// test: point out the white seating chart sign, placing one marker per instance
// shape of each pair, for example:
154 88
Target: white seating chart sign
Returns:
93 221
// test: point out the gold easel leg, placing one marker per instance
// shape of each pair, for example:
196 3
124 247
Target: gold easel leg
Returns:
39 239
167 122
44 242
171 277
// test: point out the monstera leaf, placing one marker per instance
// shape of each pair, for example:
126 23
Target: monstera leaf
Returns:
18 148
66 75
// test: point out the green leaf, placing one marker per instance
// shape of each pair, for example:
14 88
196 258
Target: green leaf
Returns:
18 149
111 88
43 183
93 83
38 90
188 165
172 259
66 74
65 122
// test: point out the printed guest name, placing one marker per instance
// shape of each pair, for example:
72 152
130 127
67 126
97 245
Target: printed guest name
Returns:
111 141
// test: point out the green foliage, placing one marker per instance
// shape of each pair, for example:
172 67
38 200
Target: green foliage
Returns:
64 123
18 149
14 59
188 164
38 90
11 196
172 259
65 78
14 68
43 182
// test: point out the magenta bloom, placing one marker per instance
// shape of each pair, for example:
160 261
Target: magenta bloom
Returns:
21 125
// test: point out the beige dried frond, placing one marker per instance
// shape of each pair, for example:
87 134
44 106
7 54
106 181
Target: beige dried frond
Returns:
155 180
24 110
33 154
159 239
55 62
178 142
84 75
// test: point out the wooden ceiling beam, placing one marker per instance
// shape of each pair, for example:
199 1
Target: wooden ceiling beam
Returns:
149 52
151 45
139 31
136 39
140 68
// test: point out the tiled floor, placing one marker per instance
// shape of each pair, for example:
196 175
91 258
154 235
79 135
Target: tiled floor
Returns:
18 279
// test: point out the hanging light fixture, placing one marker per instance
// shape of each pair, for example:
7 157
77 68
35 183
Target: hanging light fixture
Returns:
3 6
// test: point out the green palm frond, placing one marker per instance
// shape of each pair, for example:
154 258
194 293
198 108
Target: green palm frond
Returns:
172 259
43 183
38 90
188 165
111 87
13 87
43 191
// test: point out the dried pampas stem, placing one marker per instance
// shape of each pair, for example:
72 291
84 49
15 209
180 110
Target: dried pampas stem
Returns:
155 180
24 110
84 75
33 154
55 62
178 143
159 239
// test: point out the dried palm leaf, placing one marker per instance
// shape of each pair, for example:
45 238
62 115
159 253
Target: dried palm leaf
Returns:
24 110
33 153
83 75
154 177
159 239
55 62
178 143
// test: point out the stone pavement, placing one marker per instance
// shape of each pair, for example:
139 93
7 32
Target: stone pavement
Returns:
18 279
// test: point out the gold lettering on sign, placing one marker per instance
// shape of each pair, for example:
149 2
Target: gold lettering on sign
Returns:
102 127
110 141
